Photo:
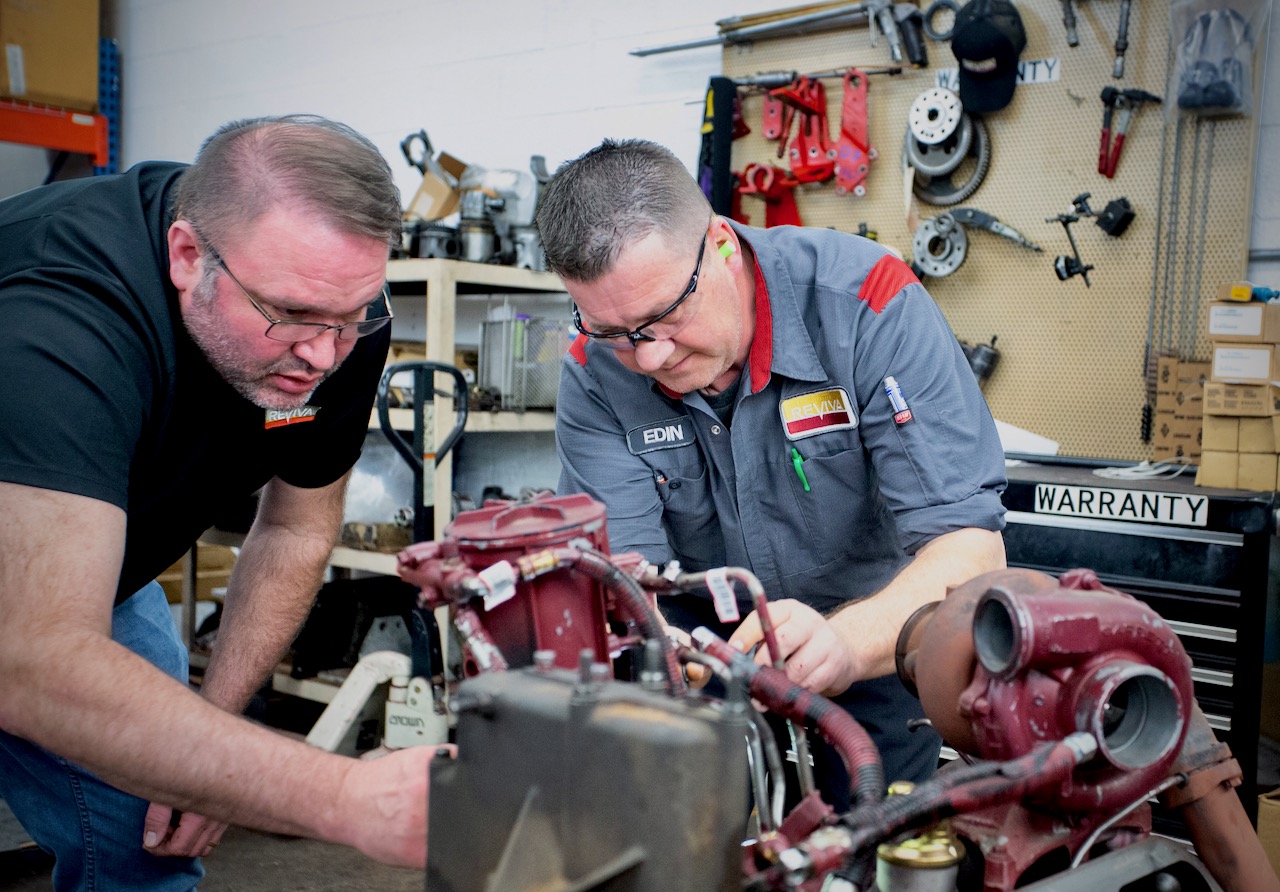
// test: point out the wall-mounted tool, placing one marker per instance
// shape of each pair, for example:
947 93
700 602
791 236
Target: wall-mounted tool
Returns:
774 186
982 359
940 139
1068 266
1126 102
1122 32
1114 218
940 245
813 155
931 15
902 29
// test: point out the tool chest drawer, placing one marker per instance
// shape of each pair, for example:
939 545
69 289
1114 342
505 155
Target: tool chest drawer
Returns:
1200 557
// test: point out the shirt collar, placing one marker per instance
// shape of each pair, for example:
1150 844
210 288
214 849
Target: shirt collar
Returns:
781 343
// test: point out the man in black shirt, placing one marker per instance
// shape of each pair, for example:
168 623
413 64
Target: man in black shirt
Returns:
175 339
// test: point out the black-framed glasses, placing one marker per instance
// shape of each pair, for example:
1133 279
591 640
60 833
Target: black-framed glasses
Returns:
296 332
638 335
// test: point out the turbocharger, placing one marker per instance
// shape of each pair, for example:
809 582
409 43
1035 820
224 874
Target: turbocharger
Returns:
1016 658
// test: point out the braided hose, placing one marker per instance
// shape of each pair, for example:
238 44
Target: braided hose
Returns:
791 701
969 789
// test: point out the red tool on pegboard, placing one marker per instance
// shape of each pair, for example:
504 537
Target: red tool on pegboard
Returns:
853 150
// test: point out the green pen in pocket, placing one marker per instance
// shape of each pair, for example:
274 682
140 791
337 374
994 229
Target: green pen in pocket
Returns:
797 461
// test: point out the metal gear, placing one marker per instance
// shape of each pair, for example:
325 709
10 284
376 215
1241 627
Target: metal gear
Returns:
940 159
942 191
940 246
935 115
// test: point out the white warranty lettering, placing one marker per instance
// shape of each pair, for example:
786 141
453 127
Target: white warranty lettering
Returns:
1113 504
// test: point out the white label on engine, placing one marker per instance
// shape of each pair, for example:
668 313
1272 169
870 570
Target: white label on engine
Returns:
1122 504
500 579
722 595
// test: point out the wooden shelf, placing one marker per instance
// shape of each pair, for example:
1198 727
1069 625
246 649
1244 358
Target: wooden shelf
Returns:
439 283
510 422
462 272
369 561
479 422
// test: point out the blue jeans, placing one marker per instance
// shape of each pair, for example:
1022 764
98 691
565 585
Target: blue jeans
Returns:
92 829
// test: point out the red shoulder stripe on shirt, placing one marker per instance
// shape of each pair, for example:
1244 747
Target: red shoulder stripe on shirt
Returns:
889 276
578 349
761 355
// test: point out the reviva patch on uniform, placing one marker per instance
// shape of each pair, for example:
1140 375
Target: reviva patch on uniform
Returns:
817 413
284 417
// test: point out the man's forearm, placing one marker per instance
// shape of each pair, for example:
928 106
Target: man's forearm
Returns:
271 590
870 627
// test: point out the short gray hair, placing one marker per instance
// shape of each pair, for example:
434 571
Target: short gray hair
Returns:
616 194
250 166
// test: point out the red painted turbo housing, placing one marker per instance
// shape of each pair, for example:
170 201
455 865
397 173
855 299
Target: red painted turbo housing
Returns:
559 611
1080 657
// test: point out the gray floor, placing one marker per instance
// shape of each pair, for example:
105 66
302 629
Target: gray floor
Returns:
246 861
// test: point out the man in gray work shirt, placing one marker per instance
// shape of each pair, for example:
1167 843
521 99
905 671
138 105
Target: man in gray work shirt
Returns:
787 400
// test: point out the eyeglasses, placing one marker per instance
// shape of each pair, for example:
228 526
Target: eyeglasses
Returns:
638 335
296 332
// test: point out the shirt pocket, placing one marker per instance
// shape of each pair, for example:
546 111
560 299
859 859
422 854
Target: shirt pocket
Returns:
837 515
689 515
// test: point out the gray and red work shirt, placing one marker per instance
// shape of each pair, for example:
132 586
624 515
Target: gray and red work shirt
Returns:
815 488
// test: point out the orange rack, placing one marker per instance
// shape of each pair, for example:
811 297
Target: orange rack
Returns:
55 128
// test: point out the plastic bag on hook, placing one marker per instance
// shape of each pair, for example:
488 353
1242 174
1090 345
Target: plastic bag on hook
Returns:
1213 44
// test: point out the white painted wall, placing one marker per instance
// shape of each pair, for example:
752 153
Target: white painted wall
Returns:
491 82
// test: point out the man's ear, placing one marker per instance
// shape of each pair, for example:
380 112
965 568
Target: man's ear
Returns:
184 256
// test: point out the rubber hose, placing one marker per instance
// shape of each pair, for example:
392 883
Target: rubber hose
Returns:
631 597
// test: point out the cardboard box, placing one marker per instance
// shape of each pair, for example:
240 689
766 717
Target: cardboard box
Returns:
1220 469
1235 291
1256 435
1221 433
50 52
1245 363
1241 399
1253 322
438 195
213 570
1269 827
1256 471
1166 379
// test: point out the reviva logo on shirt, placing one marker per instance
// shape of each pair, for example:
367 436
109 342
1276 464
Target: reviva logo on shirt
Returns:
283 417
817 413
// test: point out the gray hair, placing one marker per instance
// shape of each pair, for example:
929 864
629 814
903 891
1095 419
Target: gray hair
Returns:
616 194
250 166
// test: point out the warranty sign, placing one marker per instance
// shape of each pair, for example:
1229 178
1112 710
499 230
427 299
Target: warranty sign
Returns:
1122 504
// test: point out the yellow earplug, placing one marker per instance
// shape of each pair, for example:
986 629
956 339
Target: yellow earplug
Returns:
726 249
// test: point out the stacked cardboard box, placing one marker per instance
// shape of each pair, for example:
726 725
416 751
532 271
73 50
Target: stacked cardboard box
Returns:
1241 428
1179 402
51 52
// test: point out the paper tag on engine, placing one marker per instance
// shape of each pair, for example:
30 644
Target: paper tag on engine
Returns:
500 580
722 595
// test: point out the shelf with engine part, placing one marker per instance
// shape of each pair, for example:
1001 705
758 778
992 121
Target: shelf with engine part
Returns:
426 294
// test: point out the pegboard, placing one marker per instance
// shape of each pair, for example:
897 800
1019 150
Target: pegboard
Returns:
1073 358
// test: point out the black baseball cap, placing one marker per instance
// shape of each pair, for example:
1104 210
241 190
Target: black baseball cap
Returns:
987 40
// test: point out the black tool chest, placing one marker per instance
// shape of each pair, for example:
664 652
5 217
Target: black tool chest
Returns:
1201 557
